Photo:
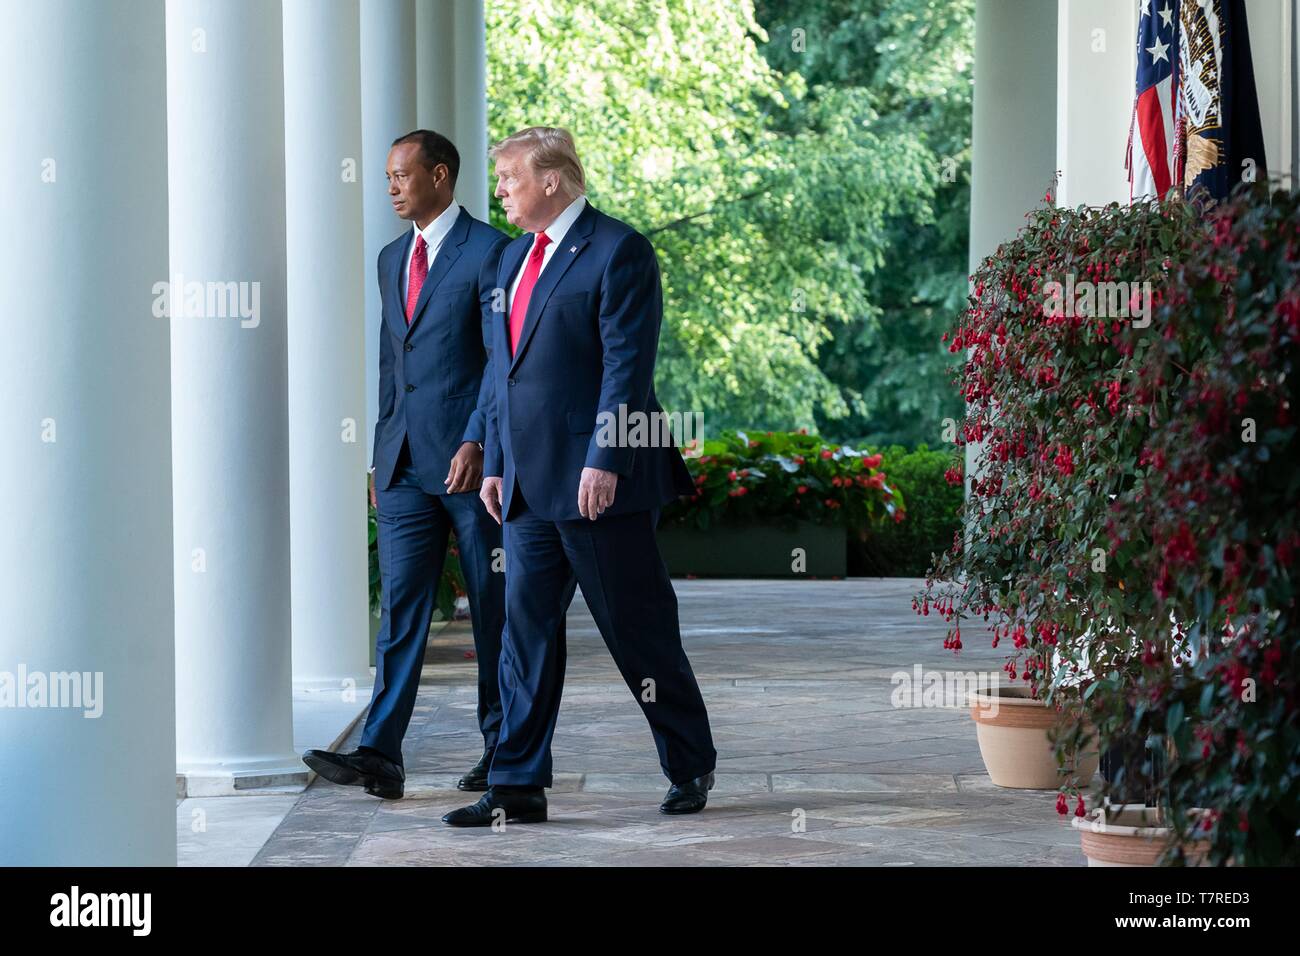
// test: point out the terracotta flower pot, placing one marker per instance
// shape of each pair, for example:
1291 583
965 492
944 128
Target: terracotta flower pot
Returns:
1012 730
1129 834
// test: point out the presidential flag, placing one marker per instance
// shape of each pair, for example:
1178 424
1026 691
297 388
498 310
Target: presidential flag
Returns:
1151 140
1222 139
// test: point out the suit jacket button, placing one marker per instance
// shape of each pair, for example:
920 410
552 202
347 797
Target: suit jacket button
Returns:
510 382
410 388
408 348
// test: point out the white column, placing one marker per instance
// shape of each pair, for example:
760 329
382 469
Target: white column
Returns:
225 133
1096 73
451 86
1013 128
1272 51
388 73
471 106
326 303
435 68
85 477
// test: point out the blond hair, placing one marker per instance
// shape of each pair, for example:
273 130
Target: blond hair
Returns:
548 148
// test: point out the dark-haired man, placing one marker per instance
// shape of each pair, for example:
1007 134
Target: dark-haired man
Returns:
436 283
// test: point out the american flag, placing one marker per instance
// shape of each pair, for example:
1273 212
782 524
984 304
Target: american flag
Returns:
1150 160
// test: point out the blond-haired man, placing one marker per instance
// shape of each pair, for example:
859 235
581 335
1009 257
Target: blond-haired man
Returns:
575 341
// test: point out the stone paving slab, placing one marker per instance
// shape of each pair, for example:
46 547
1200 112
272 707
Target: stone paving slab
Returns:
816 767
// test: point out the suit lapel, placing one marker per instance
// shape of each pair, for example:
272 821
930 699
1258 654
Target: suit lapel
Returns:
392 279
575 240
442 263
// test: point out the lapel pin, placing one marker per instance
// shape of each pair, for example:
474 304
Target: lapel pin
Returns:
573 248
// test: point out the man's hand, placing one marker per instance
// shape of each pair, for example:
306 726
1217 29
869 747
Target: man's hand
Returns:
596 491
490 495
466 469
370 480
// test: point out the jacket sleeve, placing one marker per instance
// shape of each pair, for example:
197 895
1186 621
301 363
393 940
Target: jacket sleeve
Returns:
492 308
476 427
631 310
386 391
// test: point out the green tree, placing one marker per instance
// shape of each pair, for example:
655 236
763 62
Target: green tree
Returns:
773 206
910 61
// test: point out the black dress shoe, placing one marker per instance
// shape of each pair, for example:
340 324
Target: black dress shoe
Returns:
518 806
365 768
476 780
689 797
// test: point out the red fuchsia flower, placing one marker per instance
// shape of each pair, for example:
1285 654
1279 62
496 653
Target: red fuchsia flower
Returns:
798 459
1288 310
1181 548
753 443
827 453
701 479
803 431
873 461
899 517
1062 805
953 476
732 475
802 489
1064 461
876 481
1222 231
1079 810
744 473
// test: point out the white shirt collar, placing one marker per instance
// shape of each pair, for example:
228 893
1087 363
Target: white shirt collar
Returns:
564 221
436 231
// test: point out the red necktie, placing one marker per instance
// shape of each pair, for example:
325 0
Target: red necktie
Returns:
519 307
415 282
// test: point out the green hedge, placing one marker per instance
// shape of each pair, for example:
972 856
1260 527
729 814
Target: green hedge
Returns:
933 516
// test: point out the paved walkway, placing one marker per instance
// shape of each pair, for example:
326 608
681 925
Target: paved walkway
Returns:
816 766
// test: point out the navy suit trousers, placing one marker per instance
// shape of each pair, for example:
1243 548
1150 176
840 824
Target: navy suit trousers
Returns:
413 532
626 586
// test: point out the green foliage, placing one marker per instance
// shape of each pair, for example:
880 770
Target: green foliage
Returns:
771 206
908 62
743 478
905 549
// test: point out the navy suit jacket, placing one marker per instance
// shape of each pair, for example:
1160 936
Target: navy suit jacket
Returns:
431 381
587 346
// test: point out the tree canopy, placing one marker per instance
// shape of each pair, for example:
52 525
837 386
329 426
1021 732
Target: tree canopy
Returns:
792 185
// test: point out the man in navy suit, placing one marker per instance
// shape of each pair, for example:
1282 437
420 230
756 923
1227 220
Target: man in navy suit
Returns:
574 343
436 283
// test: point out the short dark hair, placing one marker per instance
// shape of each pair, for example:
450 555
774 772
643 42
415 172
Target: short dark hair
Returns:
434 148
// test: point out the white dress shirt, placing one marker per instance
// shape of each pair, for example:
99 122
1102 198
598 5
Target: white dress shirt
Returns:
435 233
556 231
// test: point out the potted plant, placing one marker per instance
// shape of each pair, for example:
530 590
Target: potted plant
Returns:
1216 691
775 504
1055 332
